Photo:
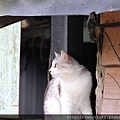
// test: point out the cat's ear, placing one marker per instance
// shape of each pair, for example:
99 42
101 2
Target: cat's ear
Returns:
56 54
65 56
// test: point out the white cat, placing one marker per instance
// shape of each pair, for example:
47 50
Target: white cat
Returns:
69 90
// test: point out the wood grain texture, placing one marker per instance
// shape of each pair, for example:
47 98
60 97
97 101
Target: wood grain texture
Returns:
110 107
111 62
112 83
110 17
109 57
111 94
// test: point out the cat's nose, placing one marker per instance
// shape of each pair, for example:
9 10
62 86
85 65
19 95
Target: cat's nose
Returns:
49 70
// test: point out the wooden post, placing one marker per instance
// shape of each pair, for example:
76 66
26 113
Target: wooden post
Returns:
59 34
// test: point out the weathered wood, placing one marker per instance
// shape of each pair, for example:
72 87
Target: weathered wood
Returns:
100 83
109 56
110 17
110 107
108 98
9 68
111 93
112 83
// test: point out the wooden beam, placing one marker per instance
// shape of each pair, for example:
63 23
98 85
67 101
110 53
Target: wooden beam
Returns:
110 17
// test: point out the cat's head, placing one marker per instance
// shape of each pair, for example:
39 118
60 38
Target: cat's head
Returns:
62 65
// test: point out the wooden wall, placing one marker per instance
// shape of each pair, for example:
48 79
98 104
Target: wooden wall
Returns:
110 61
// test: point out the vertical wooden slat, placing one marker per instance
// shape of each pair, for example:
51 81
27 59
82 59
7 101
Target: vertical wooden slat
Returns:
9 68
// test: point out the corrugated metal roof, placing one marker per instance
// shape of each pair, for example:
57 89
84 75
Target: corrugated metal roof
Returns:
56 7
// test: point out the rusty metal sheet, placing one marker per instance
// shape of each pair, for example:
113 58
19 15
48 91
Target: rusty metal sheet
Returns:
56 7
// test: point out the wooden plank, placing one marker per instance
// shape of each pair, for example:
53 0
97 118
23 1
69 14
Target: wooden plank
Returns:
110 17
112 83
110 107
9 68
109 56
111 94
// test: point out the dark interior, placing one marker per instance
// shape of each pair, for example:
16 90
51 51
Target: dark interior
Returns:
34 61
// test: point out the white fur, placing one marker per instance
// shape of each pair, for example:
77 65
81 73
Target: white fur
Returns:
75 87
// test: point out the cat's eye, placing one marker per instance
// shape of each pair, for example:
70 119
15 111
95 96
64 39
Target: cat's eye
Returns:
55 65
